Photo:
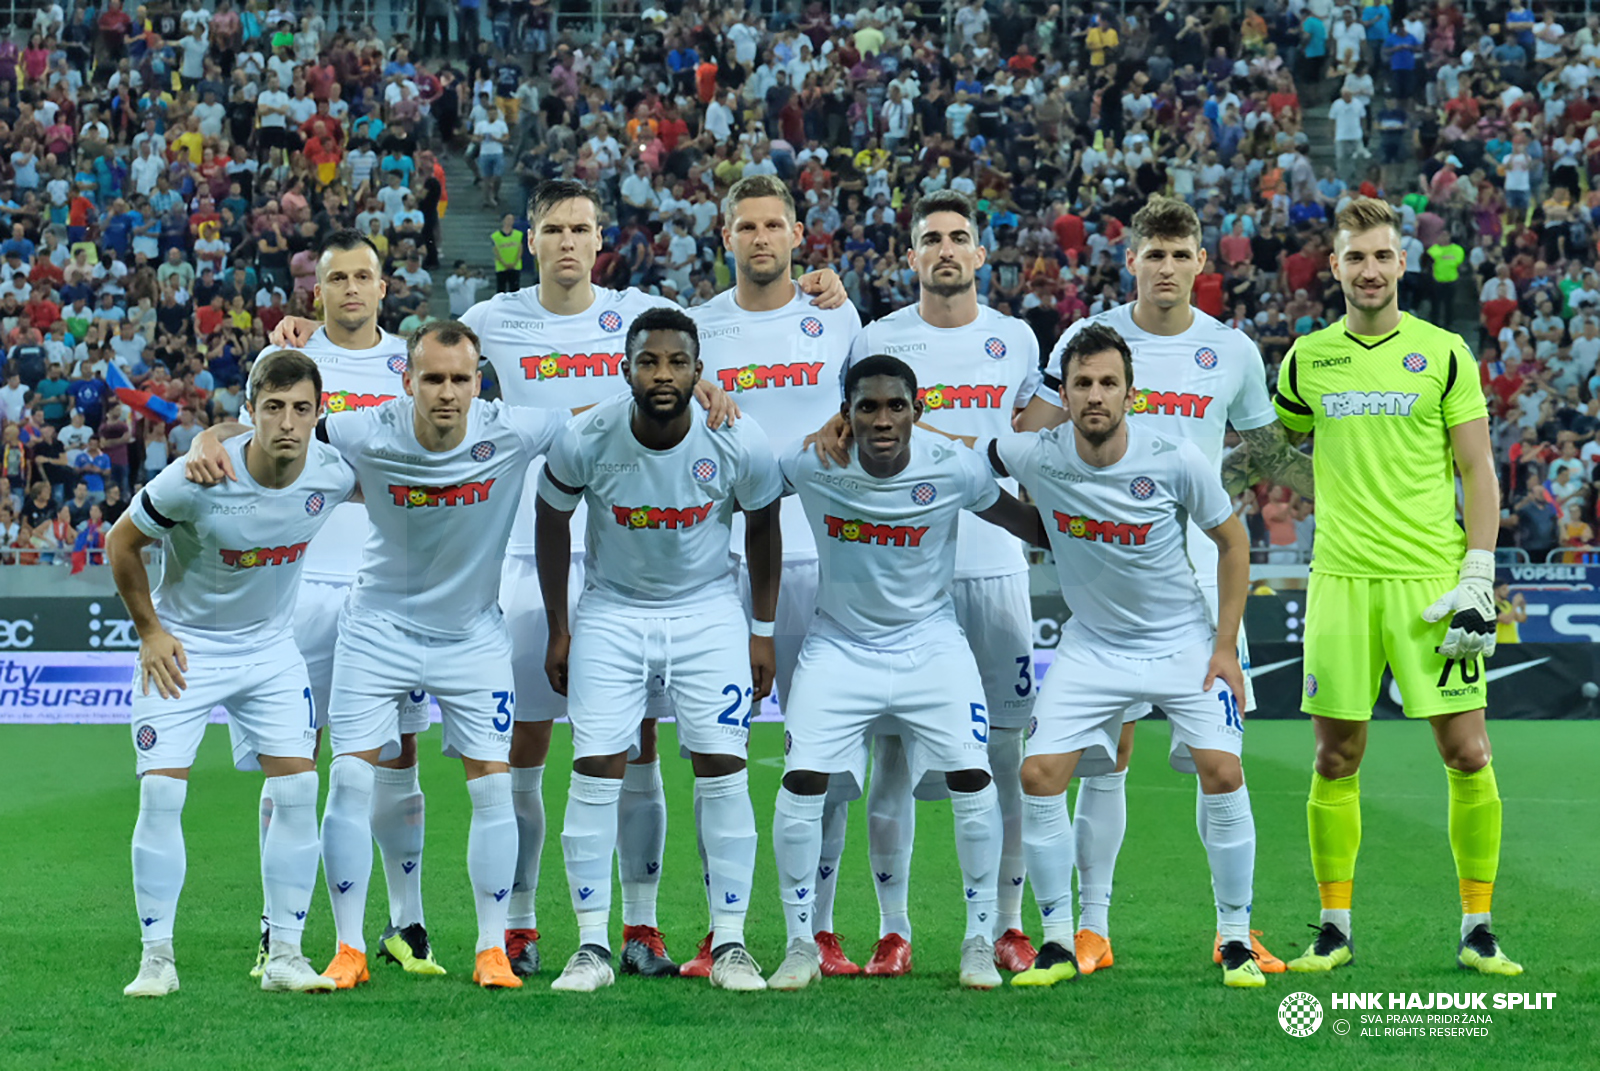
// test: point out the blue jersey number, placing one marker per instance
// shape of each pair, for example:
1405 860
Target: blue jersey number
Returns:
506 702
730 716
1025 676
980 732
311 709
1230 711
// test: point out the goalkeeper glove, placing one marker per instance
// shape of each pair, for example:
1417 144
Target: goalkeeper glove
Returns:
1470 607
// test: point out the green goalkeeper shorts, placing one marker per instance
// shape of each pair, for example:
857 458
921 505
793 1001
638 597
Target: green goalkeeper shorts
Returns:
1354 627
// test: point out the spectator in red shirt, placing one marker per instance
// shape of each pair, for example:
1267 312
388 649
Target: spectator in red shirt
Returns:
1300 268
1068 228
41 311
1208 291
209 319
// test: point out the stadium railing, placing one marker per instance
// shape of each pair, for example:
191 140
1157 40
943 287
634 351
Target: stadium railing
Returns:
1574 556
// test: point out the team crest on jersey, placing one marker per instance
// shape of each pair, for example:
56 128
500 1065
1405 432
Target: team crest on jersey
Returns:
924 493
995 348
1311 685
1414 362
704 470
643 517
146 738
611 321
1142 487
811 327
314 503
1205 357
397 364
482 451
1080 527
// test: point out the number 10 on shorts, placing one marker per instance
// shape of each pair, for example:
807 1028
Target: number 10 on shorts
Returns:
1230 711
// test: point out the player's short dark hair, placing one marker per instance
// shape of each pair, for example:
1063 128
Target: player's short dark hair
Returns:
879 364
945 201
1164 218
759 186
280 370
346 238
549 194
1097 338
661 318
447 333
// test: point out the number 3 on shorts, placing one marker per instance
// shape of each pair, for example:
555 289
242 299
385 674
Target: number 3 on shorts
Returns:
506 702
979 715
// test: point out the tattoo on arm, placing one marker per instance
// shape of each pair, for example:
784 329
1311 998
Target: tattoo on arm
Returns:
1270 456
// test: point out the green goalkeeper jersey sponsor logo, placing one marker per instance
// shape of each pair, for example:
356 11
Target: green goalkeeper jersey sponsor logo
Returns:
1380 410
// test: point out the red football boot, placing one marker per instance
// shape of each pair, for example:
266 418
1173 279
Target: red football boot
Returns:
891 957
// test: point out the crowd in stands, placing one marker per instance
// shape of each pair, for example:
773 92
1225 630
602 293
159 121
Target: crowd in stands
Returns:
165 175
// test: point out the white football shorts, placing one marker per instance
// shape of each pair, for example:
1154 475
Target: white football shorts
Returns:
267 696
1139 710
1088 689
316 632
378 661
997 615
700 662
929 695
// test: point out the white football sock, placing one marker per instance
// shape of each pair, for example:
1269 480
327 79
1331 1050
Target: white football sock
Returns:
1005 759
891 829
1099 823
835 819
700 846
1230 839
265 814
641 841
728 826
347 846
527 800
1047 837
978 850
588 839
289 856
1469 922
797 843
398 823
1340 917
159 859
491 855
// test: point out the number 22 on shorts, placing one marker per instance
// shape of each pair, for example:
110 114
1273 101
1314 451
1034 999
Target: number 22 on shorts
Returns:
730 716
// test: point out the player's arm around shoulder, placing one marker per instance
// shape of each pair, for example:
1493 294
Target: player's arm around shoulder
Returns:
986 498
161 655
207 461
1202 495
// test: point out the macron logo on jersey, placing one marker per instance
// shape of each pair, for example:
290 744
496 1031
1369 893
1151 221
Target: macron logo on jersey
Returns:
1171 403
1368 403
340 400
462 494
561 365
855 531
1105 531
943 396
750 377
660 516
250 559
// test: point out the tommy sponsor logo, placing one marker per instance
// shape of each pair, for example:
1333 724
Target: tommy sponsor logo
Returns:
944 396
462 494
1368 403
1171 403
660 516
250 559
340 400
858 531
562 365
755 376
1105 531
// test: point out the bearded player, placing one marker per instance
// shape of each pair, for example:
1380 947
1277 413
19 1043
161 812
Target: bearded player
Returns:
1194 377
1394 404
558 344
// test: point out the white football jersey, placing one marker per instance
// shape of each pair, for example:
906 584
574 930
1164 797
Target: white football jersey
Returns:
782 367
886 548
1188 386
660 521
546 361
351 379
439 520
235 551
1118 533
970 380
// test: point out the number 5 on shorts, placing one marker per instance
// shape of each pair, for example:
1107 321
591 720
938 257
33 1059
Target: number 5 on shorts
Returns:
979 715
505 703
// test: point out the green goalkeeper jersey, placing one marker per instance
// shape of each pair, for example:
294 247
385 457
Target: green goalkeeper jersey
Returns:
1382 409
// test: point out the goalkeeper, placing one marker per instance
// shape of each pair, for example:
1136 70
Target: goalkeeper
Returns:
1393 400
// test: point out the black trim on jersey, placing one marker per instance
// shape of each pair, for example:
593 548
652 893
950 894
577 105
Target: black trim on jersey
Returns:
322 431
1294 378
155 514
563 488
1052 382
1297 408
1386 338
1450 380
994 459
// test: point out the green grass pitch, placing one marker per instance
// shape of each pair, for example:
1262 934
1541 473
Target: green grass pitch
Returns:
69 941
